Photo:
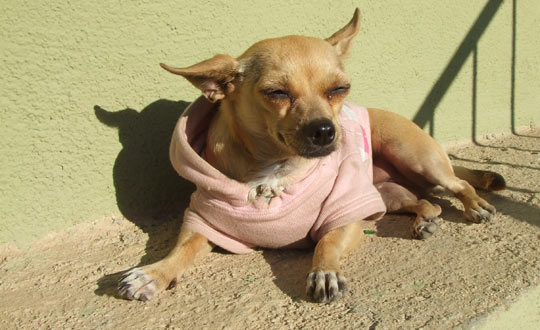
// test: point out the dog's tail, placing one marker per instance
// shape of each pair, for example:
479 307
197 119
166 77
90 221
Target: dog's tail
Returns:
480 179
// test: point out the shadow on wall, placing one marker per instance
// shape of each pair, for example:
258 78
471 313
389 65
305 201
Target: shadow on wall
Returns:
148 189
468 46
149 192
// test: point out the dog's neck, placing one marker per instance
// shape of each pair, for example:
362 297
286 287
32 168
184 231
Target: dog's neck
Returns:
248 156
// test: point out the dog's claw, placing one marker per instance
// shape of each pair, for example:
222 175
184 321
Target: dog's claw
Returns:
135 284
323 286
123 277
122 287
480 214
425 228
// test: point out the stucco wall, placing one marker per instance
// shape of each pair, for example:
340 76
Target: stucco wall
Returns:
86 112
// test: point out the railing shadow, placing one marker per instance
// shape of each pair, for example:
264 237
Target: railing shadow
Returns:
426 112
513 70
513 125
493 162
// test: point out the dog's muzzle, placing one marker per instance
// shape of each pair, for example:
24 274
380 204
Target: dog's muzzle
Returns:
320 135
320 132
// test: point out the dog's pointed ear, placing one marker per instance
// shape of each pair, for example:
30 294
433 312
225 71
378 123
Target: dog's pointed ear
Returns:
341 40
214 77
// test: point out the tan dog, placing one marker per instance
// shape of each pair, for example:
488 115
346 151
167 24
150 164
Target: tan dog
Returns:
279 109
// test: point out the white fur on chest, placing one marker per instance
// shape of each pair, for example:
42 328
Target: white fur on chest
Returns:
271 180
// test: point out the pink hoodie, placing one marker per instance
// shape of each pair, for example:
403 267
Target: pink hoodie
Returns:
337 190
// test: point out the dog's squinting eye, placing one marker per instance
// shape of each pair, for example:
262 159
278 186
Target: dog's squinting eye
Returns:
338 91
279 94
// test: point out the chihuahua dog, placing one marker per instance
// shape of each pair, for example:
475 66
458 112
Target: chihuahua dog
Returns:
281 160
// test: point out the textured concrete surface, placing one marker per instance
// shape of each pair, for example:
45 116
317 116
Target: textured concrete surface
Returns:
456 279
85 113
523 314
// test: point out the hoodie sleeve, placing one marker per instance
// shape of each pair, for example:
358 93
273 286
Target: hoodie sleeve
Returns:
195 222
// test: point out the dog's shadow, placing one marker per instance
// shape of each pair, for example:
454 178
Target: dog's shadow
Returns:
149 192
289 269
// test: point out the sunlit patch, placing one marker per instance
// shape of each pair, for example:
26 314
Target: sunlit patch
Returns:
363 146
350 113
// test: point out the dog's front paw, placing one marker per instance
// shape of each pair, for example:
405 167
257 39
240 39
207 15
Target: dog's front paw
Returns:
480 212
139 284
424 228
323 286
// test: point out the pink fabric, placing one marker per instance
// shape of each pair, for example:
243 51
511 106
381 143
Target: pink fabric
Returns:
337 190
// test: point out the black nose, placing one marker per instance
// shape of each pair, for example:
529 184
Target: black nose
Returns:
320 132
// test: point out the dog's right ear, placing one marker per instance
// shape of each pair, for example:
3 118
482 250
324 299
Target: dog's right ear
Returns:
213 77
341 40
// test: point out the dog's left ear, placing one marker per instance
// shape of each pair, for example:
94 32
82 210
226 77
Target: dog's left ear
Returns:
213 77
341 40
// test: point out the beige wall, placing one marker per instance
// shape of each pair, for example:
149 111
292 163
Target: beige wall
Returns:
86 112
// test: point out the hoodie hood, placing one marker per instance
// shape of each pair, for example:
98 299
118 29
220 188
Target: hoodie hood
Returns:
186 152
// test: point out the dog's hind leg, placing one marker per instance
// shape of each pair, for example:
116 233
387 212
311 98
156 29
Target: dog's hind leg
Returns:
399 199
476 208
143 283
431 166
422 161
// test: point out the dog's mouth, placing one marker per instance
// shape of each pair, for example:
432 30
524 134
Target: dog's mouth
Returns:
317 152
308 150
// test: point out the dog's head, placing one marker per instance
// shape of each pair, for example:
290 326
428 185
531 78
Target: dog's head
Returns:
288 91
